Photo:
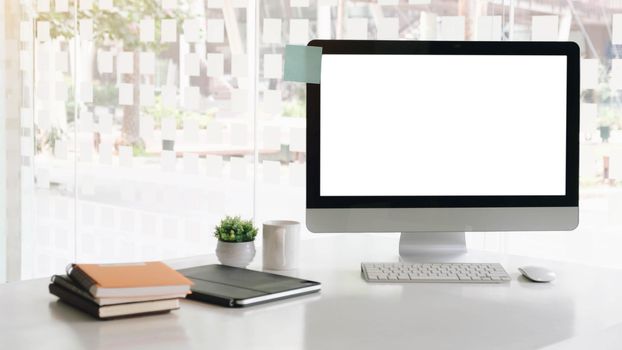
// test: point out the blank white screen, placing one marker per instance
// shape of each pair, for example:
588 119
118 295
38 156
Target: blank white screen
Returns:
442 125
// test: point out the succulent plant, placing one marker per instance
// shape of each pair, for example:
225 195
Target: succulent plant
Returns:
234 229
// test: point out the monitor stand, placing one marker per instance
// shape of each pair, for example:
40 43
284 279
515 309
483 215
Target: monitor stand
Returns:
432 246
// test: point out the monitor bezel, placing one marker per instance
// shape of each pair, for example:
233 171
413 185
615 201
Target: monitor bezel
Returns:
353 47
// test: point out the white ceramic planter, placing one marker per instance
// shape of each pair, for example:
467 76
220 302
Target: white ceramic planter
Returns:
235 254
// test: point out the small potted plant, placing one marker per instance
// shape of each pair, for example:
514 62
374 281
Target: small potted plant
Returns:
236 241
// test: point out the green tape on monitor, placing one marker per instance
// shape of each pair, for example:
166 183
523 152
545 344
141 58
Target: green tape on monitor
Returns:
303 64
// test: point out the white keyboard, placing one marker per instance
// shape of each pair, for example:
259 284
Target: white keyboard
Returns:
444 272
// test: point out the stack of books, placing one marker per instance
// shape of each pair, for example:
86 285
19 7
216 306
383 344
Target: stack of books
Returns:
115 290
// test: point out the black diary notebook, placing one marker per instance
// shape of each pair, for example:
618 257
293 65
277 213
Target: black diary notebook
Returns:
236 287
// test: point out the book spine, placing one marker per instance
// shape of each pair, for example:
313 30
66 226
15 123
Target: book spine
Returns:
67 284
65 296
81 278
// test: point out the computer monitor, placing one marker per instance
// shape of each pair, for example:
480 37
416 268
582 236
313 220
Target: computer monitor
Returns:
437 138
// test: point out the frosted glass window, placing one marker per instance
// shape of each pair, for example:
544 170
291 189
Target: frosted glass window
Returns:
61 5
215 65
615 80
43 31
191 61
238 168
168 31
170 92
147 30
43 5
589 112
126 94
106 4
25 31
239 100
192 30
356 28
86 29
427 25
387 28
451 28
239 65
271 171
616 29
273 66
271 31
125 63
299 31
544 28
169 4
489 28
272 101
147 63
85 4
147 95
215 30
299 3
589 73
192 98
104 61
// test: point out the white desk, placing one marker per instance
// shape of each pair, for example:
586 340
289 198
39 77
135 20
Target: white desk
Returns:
347 314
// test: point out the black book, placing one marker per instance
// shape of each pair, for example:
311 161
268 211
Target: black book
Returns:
112 311
67 283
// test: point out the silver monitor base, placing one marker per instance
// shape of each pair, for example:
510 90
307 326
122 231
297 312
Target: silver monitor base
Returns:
432 246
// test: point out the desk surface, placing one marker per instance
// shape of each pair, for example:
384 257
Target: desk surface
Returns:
348 313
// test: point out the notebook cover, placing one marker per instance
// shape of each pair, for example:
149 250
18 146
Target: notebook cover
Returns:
147 274
226 285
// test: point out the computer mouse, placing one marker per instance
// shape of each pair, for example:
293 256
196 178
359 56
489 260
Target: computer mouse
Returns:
537 273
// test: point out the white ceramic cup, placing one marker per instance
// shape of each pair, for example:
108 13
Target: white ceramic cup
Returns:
281 244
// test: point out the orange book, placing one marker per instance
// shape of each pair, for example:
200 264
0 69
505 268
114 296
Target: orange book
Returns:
129 280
